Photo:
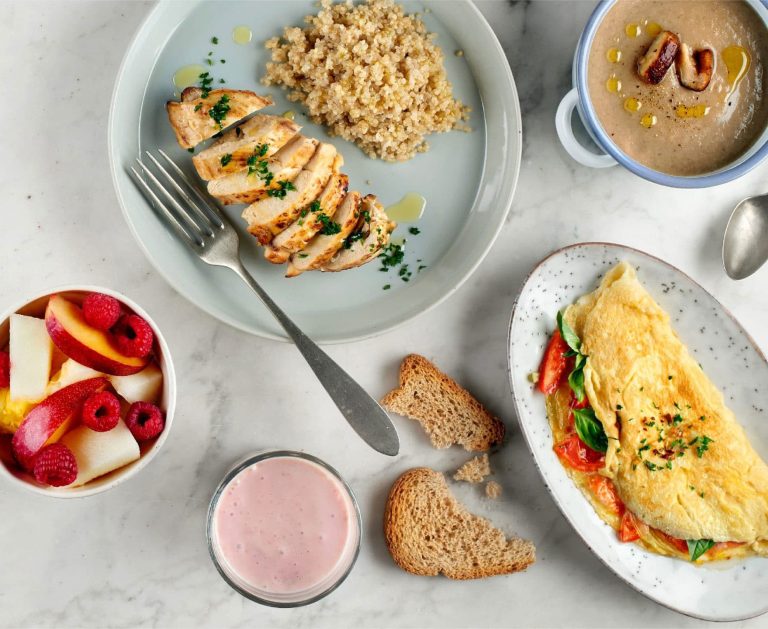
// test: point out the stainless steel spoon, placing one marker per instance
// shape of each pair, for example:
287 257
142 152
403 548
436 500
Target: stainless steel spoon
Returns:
745 244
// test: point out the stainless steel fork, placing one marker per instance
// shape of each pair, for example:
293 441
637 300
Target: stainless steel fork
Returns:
206 230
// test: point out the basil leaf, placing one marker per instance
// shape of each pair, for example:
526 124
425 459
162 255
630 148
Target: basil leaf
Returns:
566 331
576 382
697 547
589 429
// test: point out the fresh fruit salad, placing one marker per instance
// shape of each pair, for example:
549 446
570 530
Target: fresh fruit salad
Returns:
79 390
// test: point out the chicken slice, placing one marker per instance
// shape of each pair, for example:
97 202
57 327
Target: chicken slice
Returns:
249 185
269 216
325 244
299 233
230 153
367 240
193 120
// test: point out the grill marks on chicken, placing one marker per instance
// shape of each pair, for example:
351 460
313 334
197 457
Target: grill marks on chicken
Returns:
299 204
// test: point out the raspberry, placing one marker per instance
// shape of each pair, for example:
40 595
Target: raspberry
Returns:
145 420
5 370
55 465
101 411
133 336
101 311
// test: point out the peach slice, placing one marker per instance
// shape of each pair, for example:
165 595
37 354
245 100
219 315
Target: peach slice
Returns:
85 344
47 422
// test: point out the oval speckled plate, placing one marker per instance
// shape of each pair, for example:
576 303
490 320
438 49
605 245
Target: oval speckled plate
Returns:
723 591
468 179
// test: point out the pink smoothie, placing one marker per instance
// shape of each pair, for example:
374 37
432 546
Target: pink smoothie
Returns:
286 525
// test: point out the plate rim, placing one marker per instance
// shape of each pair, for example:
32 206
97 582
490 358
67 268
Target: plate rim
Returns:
524 429
220 315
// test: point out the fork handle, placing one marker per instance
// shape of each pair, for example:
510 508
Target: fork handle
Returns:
363 413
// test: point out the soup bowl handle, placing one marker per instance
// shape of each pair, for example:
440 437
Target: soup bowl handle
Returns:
564 127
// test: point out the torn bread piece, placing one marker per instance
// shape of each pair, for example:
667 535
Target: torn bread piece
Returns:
447 412
232 150
330 238
367 239
475 470
196 117
269 216
263 174
429 532
298 235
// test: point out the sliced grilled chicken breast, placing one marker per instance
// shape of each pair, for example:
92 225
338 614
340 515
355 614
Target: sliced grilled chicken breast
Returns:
324 245
192 119
242 187
300 232
271 215
230 153
367 240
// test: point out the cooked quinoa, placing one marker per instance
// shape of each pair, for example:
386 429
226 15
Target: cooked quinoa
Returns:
370 74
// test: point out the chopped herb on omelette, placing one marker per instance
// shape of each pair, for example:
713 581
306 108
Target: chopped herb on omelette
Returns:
652 444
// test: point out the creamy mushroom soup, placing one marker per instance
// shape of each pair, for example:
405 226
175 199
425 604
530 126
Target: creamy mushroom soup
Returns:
678 84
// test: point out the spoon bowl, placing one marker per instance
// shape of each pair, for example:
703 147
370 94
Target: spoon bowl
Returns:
745 243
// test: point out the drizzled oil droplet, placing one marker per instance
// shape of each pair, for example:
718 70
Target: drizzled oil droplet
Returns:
694 111
737 61
242 35
632 105
187 76
290 114
408 209
653 29
648 120
632 29
613 85
613 55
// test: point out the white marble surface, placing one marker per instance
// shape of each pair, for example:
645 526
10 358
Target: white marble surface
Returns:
136 556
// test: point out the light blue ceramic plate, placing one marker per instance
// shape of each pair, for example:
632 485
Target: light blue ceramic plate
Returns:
468 179
731 590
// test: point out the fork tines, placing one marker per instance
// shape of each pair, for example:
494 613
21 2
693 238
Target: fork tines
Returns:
184 208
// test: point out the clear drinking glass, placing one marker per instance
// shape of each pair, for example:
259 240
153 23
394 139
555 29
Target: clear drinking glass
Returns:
294 599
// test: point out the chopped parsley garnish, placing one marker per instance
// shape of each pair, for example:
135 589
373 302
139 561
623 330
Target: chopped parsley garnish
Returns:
208 61
260 166
677 419
353 238
366 216
199 106
392 255
651 465
220 110
214 40
329 227
414 230
205 84
386 287
282 189
619 407
223 60
225 159
192 150
314 206
701 443
222 81
404 273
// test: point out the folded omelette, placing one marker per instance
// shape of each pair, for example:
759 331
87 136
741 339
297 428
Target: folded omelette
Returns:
678 460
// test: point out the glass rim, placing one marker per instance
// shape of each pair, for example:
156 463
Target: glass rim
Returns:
245 463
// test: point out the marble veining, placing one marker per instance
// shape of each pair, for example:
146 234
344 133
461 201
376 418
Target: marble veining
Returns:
136 556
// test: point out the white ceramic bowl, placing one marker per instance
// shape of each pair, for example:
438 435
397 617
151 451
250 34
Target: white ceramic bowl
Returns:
35 306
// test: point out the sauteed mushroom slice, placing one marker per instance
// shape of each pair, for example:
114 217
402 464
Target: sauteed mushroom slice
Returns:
654 64
695 67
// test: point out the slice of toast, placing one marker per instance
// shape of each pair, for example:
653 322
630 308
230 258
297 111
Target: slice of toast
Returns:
448 413
429 532
474 470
